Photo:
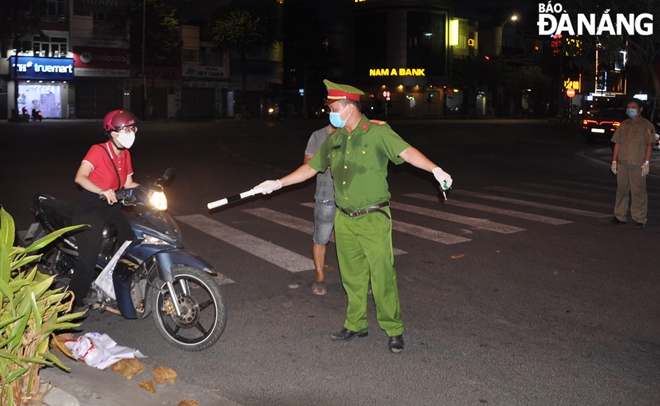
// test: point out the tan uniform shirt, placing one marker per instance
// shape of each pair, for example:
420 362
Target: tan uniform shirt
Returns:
633 139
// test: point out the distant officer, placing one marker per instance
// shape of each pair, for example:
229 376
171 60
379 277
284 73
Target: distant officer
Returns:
633 144
358 153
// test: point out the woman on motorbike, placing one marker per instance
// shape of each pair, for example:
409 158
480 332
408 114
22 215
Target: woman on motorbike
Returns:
106 168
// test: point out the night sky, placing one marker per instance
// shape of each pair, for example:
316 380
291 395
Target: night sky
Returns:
484 11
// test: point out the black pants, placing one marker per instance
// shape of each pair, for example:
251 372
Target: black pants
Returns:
96 213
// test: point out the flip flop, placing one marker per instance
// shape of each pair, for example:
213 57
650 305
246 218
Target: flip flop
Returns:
319 288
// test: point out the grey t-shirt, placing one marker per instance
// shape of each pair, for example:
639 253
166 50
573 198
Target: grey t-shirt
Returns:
324 187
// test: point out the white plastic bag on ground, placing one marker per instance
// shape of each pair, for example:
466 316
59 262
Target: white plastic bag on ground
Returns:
99 350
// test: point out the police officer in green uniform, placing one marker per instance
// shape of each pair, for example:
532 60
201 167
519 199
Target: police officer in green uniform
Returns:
633 145
358 152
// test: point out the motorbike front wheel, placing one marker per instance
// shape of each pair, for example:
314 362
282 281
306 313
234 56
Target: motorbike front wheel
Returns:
203 312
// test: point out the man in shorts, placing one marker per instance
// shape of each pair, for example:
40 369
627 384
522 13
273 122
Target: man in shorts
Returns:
324 210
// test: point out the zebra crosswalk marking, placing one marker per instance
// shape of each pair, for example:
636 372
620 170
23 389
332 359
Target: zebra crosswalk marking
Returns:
427 233
471 221
496 210
549 196
421 232
265 250
531 204
294 222
569 190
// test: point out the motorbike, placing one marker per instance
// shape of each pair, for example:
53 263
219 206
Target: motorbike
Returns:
153 274
36 115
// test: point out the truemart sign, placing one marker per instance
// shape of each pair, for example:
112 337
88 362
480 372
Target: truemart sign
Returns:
397 72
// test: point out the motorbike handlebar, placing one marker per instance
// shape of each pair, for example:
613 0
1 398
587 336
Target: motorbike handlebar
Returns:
124 196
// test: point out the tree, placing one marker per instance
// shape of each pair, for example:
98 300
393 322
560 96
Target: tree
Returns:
529 82
162 44
474 74
308 58
245 31
19 19
642 51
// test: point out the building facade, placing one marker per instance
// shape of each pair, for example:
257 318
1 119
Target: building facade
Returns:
399 53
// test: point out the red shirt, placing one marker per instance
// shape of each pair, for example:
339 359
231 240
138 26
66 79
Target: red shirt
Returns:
103 171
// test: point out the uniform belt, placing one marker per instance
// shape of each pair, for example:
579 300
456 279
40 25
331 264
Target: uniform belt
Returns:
370 209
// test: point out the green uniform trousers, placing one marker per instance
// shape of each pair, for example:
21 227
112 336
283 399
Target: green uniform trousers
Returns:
629 179
364 251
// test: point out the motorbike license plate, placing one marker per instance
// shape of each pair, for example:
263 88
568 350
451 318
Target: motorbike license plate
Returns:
598 130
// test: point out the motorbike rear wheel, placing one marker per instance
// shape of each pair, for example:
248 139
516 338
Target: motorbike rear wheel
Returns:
203 311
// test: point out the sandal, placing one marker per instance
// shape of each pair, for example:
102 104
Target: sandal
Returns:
319 288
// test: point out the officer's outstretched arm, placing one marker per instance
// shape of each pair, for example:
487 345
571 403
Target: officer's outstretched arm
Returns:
416 158
301 174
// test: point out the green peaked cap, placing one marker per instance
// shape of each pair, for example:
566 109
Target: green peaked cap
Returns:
338 91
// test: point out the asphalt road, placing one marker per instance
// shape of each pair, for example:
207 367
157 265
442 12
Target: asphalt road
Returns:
517 291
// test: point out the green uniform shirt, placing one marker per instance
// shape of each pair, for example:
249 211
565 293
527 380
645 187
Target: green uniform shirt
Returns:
633 139
358 162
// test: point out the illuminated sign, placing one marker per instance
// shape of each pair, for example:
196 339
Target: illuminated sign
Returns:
572 84
205 72
453 28
570 92
33 68
101 57
471 42
397 72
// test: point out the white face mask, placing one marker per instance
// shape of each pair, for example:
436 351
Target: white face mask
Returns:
126 139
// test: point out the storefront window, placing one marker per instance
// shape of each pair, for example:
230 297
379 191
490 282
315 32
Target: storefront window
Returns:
46 98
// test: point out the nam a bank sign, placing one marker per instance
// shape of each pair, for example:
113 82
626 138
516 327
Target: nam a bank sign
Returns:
34 68
397 72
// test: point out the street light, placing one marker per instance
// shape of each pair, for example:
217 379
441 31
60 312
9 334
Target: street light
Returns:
500 31
144 79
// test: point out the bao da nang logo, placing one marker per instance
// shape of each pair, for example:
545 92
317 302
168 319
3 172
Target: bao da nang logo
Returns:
553 19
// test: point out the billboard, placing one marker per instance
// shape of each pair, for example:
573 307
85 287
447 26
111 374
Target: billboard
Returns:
35 68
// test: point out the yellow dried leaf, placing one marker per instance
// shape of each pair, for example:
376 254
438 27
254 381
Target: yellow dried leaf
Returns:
149 385
457 256
128 367
58 341
187 402
164 375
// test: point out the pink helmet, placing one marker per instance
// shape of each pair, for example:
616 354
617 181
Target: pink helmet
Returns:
117 119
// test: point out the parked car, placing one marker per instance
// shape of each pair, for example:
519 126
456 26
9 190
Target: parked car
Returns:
602 126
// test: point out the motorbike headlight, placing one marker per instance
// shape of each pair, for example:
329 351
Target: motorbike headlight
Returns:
151 240
158 200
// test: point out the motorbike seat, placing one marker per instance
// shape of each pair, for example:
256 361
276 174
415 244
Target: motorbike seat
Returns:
54 212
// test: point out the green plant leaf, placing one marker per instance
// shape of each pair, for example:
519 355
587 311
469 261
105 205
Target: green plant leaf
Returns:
16 337
10 320
70 316
37 360
60 326
41 287
26 260
5 291
16 284
7 228
8 355
5 264
16 374
44 241
35 311
55 360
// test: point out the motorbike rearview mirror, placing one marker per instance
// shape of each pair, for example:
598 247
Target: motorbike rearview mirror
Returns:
167 176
